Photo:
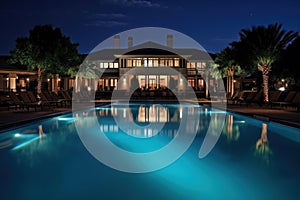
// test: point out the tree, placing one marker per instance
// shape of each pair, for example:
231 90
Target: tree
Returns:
46 50
228 67
262 46
89 71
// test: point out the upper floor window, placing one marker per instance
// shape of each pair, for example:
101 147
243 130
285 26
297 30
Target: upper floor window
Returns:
176 62
129 63
201 65
109 65
190 65
153 62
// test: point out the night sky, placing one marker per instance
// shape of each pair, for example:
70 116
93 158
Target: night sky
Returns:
213 23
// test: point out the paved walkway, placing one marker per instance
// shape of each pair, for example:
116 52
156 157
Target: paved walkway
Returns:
12 118
287 117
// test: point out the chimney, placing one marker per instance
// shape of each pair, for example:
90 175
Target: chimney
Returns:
130 42
170 41
117 41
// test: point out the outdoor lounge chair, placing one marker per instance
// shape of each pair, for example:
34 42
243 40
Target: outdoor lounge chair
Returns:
236 97
55 97
253 97
258 99
49 103
28 103
66 96
15 100
287 100
295 102
5 101
247 99
52 100
274 96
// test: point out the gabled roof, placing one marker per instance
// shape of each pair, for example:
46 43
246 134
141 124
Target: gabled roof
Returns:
149 48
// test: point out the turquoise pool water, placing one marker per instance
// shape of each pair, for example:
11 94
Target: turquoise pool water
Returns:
251 160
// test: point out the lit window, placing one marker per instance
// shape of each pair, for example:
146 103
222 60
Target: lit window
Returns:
111 82
111 65
139 62
201 65
129 63
170 62
200 83
116 65
176 62
101 84
22 83
188 65
101 65
145 62
162 62
150 62
193 64
191 82
155 62
105 65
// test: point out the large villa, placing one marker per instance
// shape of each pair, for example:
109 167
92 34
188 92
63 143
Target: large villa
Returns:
150 60
190 63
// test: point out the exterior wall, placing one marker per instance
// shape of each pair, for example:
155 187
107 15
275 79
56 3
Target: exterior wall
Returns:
154 78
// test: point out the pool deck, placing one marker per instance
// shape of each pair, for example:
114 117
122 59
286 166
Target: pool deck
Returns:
12 118
286 117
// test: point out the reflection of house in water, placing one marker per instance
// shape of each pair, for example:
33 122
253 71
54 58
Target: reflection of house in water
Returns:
144 114
231 129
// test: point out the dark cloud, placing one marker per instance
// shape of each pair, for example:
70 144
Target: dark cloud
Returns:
135 3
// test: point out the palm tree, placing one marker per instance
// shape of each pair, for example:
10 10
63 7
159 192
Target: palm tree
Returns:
264 46
228 67
89 71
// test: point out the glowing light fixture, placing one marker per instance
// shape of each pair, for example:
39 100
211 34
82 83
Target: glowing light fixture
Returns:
282 89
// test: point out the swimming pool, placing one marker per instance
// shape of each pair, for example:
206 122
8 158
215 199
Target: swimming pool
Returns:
252 159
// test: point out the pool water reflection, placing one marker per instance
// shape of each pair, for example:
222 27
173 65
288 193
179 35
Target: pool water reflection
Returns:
252 159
